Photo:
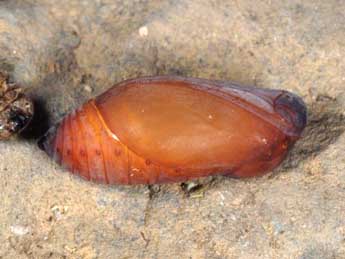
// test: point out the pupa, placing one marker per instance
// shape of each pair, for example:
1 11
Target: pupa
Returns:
165 129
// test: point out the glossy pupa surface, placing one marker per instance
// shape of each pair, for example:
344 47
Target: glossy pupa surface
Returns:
171 129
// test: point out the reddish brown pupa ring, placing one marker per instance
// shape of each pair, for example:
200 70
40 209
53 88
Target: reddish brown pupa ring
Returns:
170 129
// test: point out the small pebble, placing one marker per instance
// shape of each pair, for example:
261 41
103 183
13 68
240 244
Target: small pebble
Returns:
143 31
88 88
58 211
19 230
237 201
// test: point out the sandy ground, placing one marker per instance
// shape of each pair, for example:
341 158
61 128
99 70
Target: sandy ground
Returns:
65 52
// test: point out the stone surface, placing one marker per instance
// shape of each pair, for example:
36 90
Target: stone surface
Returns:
65 52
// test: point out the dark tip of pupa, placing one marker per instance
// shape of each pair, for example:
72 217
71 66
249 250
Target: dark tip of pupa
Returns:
45 142
293 109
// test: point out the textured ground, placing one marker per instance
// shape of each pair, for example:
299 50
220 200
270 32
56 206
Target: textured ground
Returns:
67 51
